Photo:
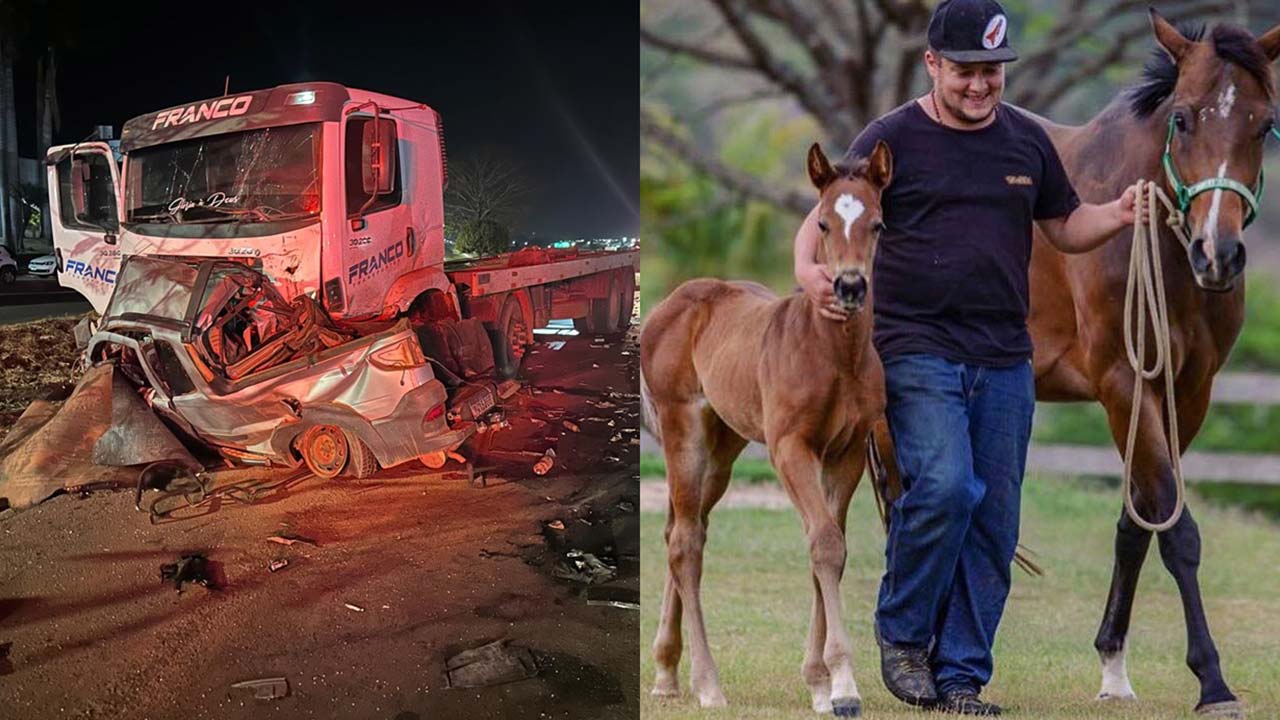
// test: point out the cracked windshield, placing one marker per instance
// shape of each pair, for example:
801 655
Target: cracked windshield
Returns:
254 176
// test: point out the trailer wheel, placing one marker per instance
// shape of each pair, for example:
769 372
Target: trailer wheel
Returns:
628 301
324 449
508 338
362 463
605 312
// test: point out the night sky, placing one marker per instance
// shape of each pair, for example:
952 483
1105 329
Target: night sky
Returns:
550 85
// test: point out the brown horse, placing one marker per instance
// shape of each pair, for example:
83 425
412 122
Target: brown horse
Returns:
723 363
1215 97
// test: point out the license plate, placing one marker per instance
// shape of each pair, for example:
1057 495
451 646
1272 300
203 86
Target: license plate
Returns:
482 403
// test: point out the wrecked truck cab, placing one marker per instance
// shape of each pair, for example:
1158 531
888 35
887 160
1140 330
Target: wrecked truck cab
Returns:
215 348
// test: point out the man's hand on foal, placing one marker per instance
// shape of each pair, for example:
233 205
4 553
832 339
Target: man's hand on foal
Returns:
818 284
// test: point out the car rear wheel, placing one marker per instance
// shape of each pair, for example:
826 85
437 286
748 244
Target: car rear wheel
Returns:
362 463
324 449
8 275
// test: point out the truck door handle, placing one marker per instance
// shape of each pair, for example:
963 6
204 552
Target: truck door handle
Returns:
109 238
408 239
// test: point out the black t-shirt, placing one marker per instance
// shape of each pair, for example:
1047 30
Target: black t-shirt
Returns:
950 271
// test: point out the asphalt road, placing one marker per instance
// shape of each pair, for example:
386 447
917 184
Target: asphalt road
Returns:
407 570
33 298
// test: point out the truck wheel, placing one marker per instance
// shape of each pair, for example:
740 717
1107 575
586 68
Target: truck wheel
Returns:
508 338
8 275
628 300
324 449
362 463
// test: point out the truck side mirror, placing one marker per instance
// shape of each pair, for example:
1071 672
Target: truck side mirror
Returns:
378 156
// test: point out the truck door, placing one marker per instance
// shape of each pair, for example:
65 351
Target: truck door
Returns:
84 185
378 235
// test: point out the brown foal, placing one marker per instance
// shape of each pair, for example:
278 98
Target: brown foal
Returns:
723 363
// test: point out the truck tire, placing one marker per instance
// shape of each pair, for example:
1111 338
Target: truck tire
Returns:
324 449
605 312
362 463
508 338
628 301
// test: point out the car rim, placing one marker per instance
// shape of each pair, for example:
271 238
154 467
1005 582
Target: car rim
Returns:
326 450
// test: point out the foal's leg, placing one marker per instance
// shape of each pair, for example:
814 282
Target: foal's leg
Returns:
699 450
839 482
800 471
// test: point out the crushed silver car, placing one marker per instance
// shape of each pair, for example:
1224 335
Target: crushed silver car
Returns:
216 351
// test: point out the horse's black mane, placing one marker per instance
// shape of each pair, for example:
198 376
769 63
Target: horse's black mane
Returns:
853 167
1159 76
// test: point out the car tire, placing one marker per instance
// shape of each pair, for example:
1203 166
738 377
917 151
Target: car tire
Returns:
325 450
361 463
8 275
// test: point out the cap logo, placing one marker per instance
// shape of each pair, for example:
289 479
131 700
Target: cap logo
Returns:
994 34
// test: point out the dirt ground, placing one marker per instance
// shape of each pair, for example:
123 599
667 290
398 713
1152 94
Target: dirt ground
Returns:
432 566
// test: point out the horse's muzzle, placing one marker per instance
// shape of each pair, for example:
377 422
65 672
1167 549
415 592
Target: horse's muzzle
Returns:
1218 275
851 289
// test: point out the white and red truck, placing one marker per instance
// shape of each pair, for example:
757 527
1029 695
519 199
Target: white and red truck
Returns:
332 194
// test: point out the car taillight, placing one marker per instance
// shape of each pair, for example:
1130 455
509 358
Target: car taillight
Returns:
434 413
404 355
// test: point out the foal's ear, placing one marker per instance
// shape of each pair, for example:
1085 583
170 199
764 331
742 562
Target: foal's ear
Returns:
1270 43
1173 42
820 171
880 165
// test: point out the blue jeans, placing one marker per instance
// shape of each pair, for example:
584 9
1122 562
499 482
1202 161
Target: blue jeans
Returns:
960 433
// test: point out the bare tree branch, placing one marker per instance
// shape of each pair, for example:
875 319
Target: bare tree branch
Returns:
733 179
697 52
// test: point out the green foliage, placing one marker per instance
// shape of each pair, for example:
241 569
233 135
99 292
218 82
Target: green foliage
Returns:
748 469
1258 347
483 237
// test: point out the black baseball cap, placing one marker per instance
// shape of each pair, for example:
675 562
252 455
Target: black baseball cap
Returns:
971 31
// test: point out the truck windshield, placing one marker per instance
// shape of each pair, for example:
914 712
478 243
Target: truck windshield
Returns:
253 176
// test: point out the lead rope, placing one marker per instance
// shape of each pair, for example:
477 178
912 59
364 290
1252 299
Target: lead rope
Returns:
1144 266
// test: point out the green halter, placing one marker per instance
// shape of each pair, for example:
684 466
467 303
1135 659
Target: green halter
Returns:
1185 194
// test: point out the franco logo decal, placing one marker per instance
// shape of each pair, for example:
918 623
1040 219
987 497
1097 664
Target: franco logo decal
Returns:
225 107
370 265
994 34
81 269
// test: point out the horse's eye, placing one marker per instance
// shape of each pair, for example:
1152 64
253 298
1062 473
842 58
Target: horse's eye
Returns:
822 225
1180 122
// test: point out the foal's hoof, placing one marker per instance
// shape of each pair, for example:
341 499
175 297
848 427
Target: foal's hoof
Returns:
847 707
712 699
659 691
1225 709
1114 696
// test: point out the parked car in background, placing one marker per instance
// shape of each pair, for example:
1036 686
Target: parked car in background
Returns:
8 267
43 266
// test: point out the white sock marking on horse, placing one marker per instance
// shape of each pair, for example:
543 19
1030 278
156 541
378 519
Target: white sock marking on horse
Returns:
1226 100
1115 678
1211 224
849 208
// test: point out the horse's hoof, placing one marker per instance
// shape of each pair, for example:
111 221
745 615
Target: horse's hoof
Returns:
1225 709
822 705
847 707
713 699
664 692
1116 696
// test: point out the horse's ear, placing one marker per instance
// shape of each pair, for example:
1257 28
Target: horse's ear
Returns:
1270 43
1173 42
820 171
880 167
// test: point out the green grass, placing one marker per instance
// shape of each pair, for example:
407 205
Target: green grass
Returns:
1227 428
757 595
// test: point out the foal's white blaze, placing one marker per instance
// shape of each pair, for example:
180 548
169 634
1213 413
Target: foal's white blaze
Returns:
849 208
1115 679
1226 100
1211 224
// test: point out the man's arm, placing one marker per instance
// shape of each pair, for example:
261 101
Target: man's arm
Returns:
811 275
1089 225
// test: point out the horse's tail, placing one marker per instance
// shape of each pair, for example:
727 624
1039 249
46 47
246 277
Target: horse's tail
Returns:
648 413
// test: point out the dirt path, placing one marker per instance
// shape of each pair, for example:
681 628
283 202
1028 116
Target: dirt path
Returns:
434 566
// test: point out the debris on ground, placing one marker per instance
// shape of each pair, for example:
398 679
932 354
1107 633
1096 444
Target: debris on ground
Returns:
556 525
584 567
265 688
189 569
6 667
287 538
624 598
555 345
626 506
545 462
277 564
571 426
356 608
493 664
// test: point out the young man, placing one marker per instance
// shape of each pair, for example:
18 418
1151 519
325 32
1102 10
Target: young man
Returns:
971 175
